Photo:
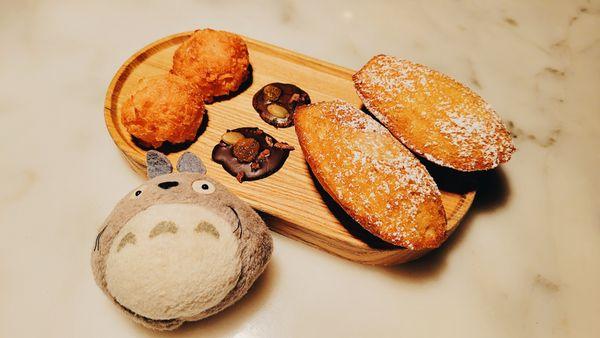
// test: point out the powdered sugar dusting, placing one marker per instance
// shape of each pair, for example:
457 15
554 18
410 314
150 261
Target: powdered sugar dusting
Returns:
369 169
428 105
347 116
463 129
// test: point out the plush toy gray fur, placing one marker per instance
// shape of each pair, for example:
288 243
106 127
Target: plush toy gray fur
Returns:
180 247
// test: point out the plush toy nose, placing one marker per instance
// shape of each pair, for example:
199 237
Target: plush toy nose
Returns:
168 185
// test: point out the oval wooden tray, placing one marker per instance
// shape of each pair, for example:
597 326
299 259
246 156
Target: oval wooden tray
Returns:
291 201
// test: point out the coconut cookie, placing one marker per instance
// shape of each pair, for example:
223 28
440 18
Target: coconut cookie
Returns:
433 115
371 175
163 108
216 61
180 247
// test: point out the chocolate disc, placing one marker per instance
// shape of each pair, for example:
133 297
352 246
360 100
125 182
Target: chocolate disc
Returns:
271 155
276 103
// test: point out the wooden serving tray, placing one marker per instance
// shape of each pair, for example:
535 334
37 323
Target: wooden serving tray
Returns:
291 201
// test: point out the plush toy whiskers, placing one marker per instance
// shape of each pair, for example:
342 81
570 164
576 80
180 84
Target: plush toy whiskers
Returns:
180 247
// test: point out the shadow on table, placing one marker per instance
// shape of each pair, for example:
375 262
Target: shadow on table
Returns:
492 193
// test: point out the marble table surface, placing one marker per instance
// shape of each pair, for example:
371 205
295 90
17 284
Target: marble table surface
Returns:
524 263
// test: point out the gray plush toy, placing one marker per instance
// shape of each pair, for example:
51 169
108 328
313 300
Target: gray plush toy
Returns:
180 247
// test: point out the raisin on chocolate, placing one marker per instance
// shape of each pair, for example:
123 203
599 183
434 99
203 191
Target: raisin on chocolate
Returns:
246 150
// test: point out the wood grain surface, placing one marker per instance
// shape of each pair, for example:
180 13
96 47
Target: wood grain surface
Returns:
291 201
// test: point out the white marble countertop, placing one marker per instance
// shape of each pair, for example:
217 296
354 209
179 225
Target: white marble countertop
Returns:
524 263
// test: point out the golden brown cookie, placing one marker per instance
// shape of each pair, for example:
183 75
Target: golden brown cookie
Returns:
216 61
371 175
163 108
433 115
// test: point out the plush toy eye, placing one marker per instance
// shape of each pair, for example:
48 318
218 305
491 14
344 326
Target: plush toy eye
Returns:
203 187
136 194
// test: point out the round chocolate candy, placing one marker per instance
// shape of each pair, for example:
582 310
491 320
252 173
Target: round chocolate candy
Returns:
238 154
276 103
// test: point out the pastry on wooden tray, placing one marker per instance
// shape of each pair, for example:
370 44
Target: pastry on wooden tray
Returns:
373 177
163 108
216 61
433 115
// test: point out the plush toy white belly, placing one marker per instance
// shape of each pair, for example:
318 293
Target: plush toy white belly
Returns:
176 266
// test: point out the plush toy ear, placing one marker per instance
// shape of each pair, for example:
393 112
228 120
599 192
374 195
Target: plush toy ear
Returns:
158 164
188 162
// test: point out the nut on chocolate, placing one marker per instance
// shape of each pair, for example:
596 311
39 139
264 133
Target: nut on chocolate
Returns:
277 110
231 137
283 145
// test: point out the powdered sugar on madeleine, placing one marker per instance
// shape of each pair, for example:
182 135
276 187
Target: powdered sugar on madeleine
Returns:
371 175
434 115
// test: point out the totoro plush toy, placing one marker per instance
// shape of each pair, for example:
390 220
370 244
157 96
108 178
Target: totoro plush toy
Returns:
180 247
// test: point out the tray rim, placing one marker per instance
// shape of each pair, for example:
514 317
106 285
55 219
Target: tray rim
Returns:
136 157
